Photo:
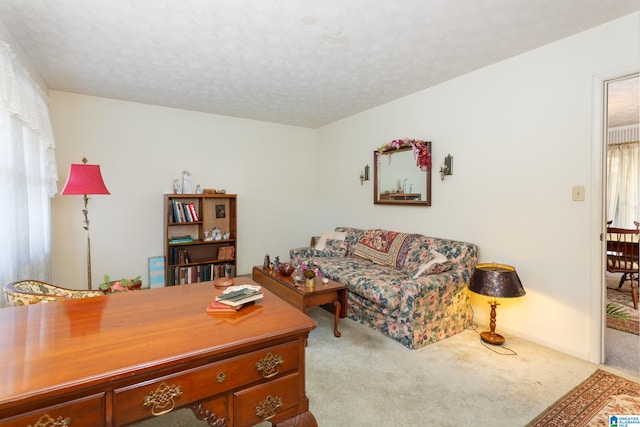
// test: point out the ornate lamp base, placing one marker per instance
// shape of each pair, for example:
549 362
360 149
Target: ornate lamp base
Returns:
492 338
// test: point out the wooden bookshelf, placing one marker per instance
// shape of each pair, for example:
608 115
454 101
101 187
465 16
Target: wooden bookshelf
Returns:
199 258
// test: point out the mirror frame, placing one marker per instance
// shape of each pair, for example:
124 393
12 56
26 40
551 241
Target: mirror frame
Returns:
377 158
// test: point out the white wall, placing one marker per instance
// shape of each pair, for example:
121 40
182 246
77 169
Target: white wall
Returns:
520 134
141 149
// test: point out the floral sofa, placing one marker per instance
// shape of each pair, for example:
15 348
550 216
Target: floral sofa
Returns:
410 287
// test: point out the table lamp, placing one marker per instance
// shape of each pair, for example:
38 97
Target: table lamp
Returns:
495 281
85 179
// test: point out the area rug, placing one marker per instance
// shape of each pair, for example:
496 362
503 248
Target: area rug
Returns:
623 300
592 403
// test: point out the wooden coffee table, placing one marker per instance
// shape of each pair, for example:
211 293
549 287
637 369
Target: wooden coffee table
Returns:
332 296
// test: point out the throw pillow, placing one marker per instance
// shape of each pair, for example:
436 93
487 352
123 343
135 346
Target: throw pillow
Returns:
333 235
335 248
380 246
438 263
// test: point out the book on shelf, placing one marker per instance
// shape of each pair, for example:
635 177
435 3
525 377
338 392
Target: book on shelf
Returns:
187 213
243 296
182 274
181 239
193 212
226 253
183 256
178 214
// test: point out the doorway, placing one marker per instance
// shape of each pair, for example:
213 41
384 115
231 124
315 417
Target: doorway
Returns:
621 204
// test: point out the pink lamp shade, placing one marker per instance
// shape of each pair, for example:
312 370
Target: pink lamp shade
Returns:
84 179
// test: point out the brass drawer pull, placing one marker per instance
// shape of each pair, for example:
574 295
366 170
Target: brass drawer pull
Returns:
221 377
268 365
47 421
161 400
267 409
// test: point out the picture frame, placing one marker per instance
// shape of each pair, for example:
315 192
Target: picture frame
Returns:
156 272
220 211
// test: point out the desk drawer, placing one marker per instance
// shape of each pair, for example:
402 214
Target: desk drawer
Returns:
84 412
266 401
163 394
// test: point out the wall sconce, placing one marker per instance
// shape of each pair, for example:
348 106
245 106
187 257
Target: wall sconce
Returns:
447 167
364 175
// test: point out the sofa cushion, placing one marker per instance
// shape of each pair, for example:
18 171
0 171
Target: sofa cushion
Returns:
417 254
352 238
382 285
333 235
438 263
334 248
381 246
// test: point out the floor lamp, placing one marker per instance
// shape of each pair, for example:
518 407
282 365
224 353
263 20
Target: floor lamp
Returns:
85 179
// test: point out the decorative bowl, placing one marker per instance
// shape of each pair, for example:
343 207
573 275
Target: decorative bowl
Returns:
223 282
285 269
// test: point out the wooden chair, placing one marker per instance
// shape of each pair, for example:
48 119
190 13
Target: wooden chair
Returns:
622 257
27 292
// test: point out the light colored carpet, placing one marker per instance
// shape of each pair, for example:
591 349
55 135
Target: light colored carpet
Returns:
367 379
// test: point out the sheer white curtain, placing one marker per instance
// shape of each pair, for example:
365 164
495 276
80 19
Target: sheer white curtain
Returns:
623 184
28 173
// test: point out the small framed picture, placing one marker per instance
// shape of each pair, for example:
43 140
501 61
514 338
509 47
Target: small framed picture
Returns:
156 272
220 213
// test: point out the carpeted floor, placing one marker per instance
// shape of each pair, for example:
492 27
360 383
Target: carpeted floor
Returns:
594 402
367 379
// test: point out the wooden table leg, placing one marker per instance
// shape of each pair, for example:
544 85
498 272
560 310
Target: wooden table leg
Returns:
337 306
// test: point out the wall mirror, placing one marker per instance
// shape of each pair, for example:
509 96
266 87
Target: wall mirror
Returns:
400 181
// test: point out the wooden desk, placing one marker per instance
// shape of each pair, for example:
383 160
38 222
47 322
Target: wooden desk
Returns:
121 358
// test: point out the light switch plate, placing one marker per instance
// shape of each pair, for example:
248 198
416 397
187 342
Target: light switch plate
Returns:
578 193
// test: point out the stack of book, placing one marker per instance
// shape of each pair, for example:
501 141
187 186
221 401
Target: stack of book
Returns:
218 307
181 239
239 297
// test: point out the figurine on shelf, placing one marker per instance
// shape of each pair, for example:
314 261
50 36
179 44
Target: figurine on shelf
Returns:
177 187
276 263
186 182
267 261
216 233
227 235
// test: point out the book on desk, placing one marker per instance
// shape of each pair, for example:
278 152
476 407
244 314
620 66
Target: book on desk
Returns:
239 297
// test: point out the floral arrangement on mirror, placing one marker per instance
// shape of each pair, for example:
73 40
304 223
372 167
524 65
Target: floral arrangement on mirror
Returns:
421 151
123 285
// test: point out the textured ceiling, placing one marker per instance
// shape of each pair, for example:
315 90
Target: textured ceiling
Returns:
297 62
